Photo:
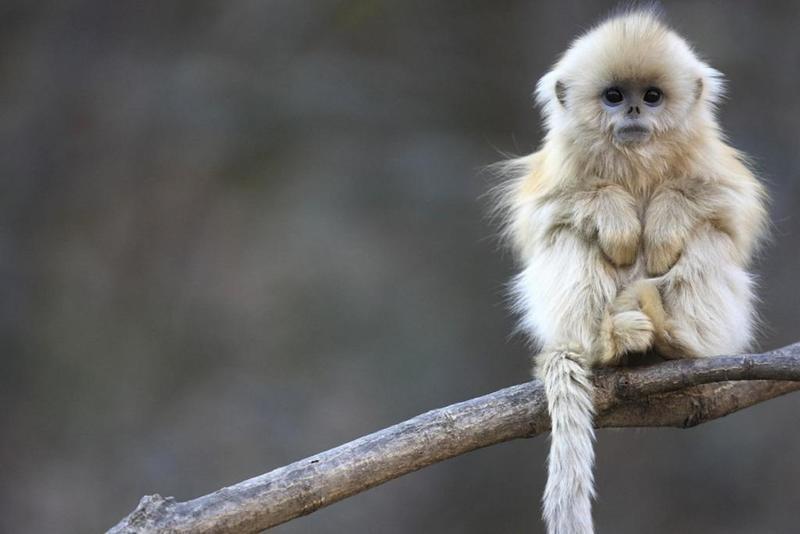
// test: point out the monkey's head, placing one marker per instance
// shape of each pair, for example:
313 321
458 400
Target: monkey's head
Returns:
631 82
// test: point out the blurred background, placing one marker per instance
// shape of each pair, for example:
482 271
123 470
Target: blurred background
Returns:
234 234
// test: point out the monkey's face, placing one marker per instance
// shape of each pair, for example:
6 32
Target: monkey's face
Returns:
631 103
633 83
632 111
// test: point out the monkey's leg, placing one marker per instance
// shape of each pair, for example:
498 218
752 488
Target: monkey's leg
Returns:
564 295
708 299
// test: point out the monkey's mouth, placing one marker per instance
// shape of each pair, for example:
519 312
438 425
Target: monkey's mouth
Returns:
632 133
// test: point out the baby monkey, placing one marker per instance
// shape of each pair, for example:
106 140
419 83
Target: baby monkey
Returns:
634 224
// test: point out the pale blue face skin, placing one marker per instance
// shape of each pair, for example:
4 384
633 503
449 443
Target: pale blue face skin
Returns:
632 110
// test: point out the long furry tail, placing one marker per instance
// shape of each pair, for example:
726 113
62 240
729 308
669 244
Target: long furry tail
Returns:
567 502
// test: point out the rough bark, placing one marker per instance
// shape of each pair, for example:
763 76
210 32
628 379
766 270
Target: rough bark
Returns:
681 393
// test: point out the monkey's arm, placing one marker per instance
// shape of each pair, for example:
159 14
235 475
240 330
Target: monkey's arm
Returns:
672 214
739 208
732 202
606 213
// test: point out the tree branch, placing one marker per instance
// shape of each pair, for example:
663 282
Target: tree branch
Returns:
679 393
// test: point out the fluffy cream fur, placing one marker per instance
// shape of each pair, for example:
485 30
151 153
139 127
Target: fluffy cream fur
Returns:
626 247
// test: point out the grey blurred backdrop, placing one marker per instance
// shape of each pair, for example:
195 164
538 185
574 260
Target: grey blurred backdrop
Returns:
234 234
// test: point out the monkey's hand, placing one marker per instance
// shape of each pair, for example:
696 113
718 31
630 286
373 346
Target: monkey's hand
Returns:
668 222
607 213
618 237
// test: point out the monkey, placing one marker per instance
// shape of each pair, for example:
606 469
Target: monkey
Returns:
634 225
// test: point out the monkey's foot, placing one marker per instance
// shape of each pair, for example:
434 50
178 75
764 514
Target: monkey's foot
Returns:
644 296
625 332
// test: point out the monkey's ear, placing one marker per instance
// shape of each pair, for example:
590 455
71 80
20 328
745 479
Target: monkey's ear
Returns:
561 93
698 88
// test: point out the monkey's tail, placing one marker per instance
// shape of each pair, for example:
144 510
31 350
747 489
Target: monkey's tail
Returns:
567 502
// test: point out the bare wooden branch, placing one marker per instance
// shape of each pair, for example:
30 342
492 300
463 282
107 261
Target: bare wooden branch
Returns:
681 393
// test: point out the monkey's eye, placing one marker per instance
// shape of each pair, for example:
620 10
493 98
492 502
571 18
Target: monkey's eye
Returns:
652 96
613 96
